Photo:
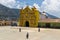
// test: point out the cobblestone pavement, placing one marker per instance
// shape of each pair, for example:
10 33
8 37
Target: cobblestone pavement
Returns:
12 33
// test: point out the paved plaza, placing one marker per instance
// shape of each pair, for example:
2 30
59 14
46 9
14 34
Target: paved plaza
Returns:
12 33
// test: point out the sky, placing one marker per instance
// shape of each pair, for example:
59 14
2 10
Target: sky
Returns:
50 6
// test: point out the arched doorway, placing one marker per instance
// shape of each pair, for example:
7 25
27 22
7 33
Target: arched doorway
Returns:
27 24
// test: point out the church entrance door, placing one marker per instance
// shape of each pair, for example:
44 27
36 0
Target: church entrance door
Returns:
27 24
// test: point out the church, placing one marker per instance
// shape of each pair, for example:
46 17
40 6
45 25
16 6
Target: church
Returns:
29 17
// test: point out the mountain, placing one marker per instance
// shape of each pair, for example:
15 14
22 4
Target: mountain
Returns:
51 16
8 13
13 14
47 15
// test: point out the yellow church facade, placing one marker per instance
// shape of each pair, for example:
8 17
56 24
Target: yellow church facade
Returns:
29 17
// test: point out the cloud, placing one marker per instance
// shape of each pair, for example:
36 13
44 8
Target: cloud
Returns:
37 6
12 3
51 6
17 4
8 3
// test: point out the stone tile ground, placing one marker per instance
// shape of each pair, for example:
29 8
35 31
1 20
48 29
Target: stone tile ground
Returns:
12 33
